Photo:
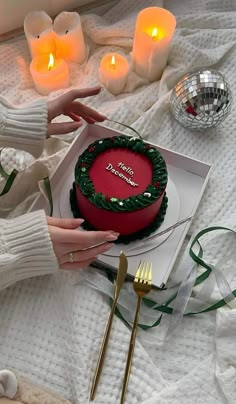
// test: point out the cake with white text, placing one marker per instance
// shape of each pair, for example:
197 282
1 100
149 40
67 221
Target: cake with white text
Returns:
120 185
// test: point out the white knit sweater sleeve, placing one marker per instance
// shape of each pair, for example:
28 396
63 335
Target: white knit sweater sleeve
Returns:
25 248
23 128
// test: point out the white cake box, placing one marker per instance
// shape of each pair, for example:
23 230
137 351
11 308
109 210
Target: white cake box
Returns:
187 181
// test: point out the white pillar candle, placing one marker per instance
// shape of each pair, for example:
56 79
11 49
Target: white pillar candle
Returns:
113 72
69 37
153 33
39 33
49 74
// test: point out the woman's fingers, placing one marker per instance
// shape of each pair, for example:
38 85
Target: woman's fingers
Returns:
62 128
74 117
62 103
77 265
72 245
64 223
81 239
84 111
89 119
79 257
72 95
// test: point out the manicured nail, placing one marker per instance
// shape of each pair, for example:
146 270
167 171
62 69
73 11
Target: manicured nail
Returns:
108 247
114 232
81 222
112 236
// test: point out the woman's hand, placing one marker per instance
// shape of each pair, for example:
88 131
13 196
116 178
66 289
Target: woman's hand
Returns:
66 105
76 249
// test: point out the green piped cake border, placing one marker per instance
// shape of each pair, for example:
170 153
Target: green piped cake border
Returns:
146 198
125 239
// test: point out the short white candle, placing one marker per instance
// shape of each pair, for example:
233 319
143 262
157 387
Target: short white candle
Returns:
154 30
39 33
69 37
49 74
113 72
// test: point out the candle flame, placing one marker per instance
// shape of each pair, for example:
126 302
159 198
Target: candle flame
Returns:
51 62
154 33
113 61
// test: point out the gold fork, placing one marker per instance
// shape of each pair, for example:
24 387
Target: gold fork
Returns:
142 285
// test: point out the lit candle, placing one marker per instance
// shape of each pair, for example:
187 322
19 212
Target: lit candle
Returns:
39 33
113 72
153 34
69 37
49 74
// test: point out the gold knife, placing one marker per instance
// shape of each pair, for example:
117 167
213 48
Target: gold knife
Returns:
121 274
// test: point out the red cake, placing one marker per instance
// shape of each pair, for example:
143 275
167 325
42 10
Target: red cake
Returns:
120 185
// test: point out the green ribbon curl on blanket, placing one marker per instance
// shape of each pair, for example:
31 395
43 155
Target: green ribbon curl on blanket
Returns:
198 259
10 178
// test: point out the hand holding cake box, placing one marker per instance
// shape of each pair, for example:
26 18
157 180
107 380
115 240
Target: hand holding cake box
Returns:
120 183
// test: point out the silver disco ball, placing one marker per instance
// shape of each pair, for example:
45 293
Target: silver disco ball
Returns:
201 99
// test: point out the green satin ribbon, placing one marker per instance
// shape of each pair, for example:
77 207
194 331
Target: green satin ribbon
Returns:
10 178
48 190
198 258
9 182
126 126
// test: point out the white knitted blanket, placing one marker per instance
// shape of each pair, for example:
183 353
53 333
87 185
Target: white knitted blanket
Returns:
51 327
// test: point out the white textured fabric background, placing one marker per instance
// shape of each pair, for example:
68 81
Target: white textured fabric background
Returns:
51 327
